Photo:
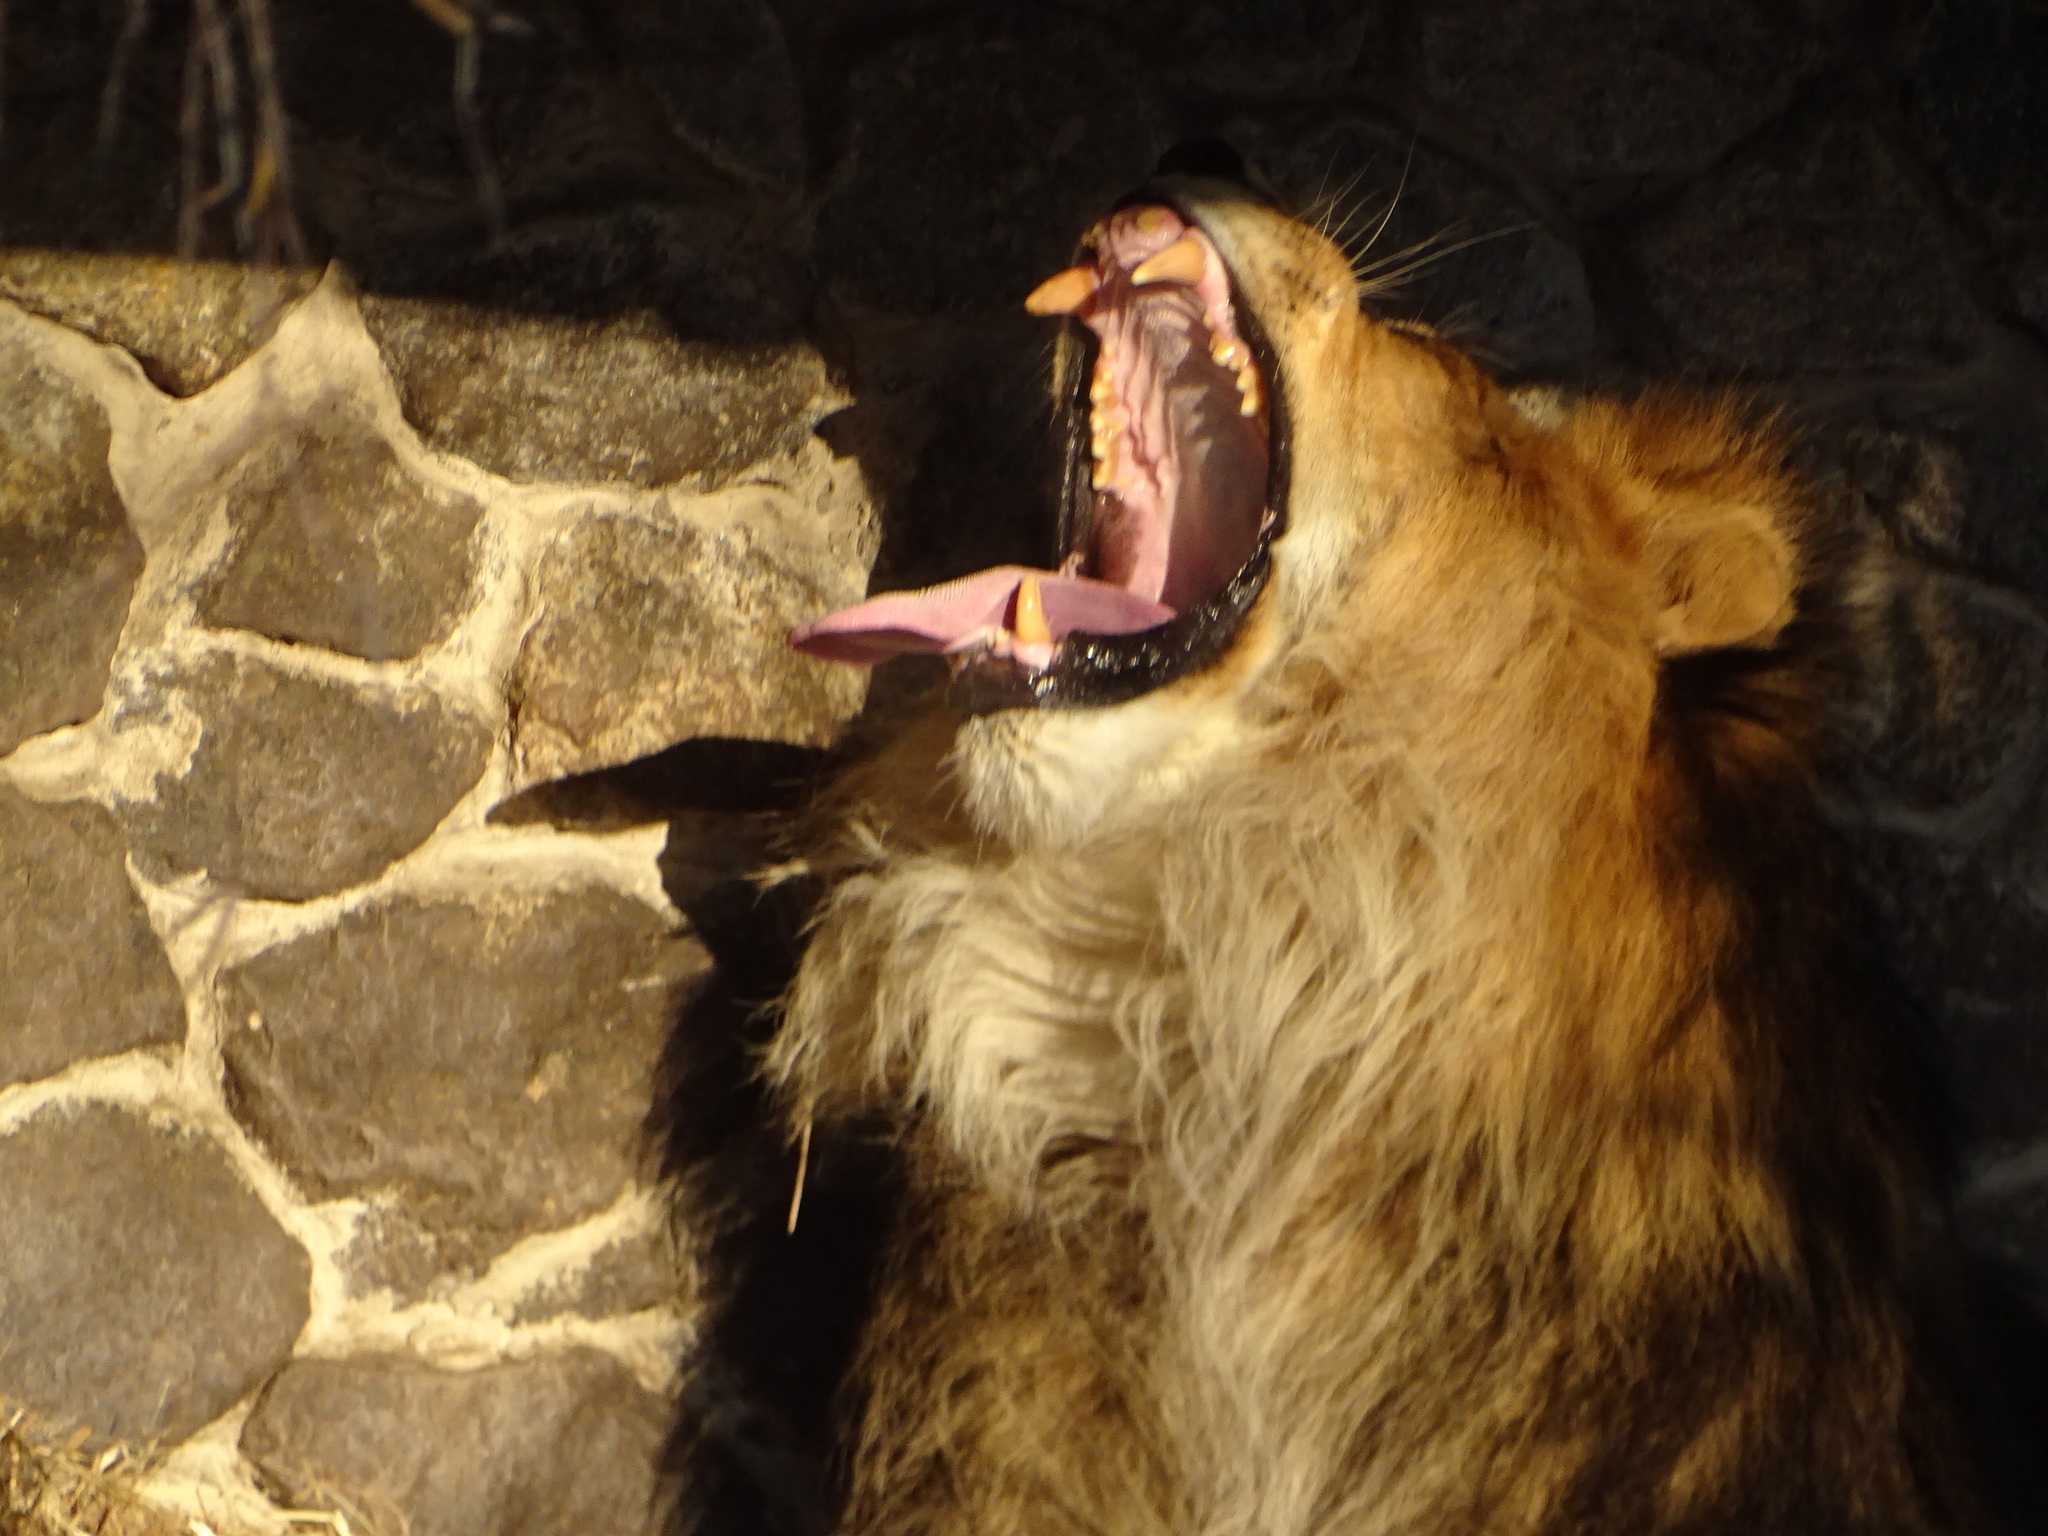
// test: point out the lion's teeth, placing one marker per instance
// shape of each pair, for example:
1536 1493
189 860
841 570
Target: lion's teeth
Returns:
1105 425
1030 627
1105 465
1063 292
1101 387
1227 352
1251 395
1181 262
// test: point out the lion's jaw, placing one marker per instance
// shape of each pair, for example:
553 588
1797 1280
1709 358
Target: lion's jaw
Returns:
1056 777
1442 560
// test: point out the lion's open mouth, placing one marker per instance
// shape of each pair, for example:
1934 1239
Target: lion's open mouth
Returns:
1169 510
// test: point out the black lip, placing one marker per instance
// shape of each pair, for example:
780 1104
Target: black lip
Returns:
1089 671
1111 669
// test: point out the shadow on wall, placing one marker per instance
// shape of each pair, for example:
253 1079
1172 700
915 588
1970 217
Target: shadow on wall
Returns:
784 1277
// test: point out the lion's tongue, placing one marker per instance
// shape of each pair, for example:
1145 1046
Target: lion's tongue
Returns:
959 614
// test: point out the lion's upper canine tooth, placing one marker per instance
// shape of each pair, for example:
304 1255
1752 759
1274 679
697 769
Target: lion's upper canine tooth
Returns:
1181 262
1252 396
1030 627
1063 292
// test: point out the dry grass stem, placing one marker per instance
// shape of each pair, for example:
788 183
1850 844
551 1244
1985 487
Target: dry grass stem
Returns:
55 1488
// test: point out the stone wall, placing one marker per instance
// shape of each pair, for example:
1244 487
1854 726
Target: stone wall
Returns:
345 613
322 1095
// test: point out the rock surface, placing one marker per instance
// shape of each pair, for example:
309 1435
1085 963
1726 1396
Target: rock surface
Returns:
484 1060
186 322
1955 725
143 1290
85 975
299 786
1672 86
691 627
565 1445
1844 264
68 560
629 1275
336 545
625 400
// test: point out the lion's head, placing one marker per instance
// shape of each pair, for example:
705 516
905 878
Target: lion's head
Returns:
1395 880
1264 476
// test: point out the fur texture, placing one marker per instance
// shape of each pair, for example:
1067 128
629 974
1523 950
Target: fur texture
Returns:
1415 1076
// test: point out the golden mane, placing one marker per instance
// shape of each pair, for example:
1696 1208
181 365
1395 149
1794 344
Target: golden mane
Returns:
1413 1076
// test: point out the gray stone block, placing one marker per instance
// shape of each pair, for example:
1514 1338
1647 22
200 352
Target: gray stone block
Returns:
1595 90
1953 705
68 559
84 974
2012 1223
1814 253
484 1068
187 323
630 1275
1955 464
557 1445
336 545
537 398
649 634
1977 952
143 1290
300 787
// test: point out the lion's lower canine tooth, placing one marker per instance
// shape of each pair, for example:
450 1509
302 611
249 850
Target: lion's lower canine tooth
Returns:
1030 627
1063 292
1181 262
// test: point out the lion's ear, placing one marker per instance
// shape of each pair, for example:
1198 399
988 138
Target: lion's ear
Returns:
1722 572
1711 518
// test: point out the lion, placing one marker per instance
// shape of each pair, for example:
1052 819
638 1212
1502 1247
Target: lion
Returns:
1358 974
